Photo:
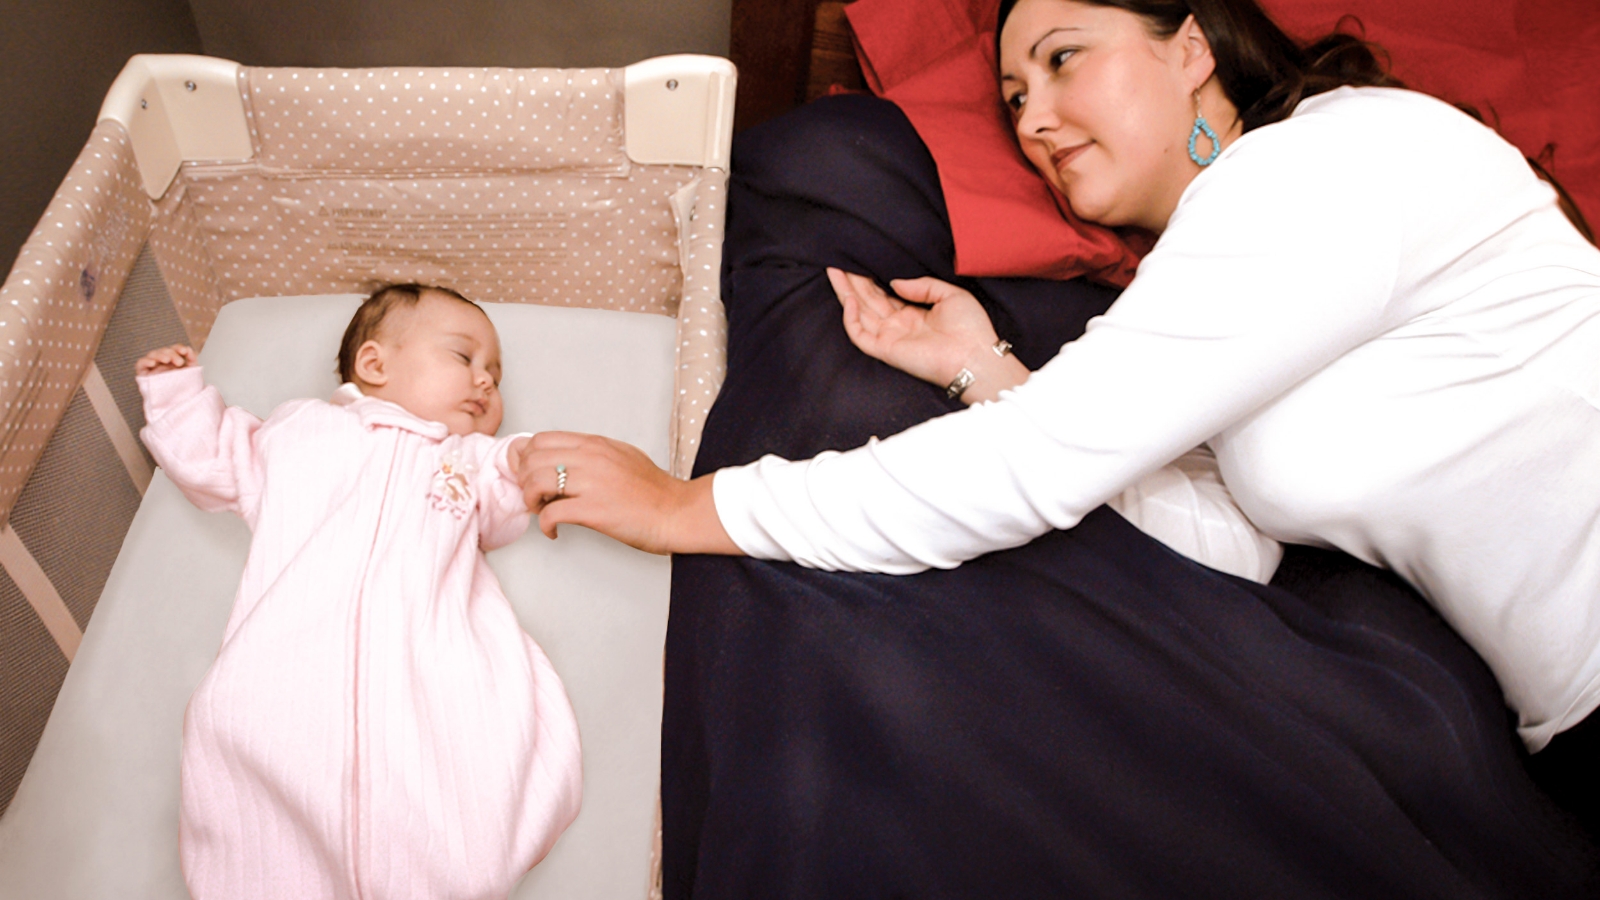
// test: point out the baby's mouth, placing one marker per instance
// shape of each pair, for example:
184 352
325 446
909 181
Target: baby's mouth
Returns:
477 407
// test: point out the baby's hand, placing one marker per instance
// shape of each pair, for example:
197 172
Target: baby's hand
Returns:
517 456
165 360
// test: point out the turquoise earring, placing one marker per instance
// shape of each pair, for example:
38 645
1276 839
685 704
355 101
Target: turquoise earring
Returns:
1199 127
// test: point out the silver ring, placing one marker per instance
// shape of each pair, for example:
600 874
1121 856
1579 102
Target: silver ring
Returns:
964 380
561 481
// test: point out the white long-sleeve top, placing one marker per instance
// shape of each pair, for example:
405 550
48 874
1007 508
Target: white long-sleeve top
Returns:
1185 505
1376 316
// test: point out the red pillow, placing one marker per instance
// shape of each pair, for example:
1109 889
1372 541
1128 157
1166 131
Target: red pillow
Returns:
1527 65
935 59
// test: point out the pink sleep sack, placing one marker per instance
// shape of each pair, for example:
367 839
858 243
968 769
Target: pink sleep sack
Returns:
376 724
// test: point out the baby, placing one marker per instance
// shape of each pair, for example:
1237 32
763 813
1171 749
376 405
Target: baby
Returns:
376 723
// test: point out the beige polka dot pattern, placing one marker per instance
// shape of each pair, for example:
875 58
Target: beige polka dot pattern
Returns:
555 238
421 121
702 323
185 263
55 304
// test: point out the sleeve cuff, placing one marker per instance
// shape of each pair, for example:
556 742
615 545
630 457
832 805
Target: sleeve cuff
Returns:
164 390
732 490
501 455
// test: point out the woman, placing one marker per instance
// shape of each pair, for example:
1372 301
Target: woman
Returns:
1362 300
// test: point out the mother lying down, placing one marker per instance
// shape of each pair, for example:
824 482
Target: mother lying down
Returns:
1362 301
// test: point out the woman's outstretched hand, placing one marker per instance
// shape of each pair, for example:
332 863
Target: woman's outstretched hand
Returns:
947 331
615 489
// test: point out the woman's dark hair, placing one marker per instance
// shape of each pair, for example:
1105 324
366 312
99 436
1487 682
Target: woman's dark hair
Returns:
368 320
1265 73
1262 70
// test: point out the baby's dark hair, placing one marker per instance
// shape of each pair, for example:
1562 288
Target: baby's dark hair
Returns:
369 318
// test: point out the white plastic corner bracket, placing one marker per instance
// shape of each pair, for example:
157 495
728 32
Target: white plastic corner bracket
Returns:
179 108
678 110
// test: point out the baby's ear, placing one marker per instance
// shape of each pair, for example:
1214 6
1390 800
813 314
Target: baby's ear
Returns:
369 367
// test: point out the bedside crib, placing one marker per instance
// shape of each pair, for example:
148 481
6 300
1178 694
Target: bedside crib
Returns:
583 207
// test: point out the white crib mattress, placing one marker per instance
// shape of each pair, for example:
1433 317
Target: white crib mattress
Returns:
96 815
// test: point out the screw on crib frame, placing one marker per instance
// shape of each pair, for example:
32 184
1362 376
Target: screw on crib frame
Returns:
178 107
688 119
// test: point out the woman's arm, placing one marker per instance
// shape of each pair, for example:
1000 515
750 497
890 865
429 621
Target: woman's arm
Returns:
1183 504
1272 268
615 489
942 332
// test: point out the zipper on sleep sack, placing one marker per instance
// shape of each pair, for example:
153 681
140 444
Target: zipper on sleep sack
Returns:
356 682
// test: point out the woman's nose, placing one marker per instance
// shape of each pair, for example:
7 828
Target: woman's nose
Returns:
1035 119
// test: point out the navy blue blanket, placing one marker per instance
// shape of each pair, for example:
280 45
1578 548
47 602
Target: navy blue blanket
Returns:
1091 715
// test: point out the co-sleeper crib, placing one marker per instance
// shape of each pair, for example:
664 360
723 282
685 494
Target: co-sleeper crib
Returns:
582 206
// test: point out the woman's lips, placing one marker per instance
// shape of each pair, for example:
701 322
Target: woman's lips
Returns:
1061 158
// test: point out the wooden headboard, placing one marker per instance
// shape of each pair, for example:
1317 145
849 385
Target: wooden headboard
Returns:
789 52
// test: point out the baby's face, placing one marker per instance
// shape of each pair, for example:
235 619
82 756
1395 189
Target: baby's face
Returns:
442 359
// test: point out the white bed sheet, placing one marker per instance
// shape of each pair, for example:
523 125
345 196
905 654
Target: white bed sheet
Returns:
96 814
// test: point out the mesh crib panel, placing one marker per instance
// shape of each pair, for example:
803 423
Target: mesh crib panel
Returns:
145 317
76 508
58 298
32 668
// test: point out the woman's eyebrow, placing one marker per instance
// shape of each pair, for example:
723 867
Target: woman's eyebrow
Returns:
1034 50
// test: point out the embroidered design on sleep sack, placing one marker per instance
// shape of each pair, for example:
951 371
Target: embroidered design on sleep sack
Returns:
452 485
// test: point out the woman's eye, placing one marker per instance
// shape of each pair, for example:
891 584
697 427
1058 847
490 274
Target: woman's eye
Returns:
1059 58
1015 101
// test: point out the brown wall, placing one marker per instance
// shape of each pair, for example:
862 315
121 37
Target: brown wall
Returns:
771 43
459 32
56 61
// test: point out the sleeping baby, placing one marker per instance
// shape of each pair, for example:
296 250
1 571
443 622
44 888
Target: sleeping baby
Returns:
376 723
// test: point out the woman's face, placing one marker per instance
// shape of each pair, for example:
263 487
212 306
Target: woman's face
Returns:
1103 108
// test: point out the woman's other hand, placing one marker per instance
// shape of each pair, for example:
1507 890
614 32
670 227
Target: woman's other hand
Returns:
947 331
615 489
165 359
